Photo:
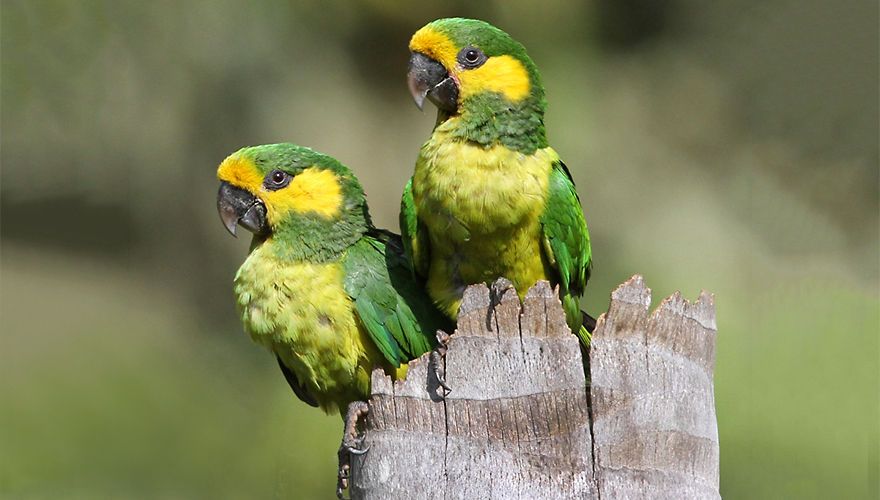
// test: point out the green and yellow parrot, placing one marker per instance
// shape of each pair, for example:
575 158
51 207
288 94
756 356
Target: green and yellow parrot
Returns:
489 197
331 296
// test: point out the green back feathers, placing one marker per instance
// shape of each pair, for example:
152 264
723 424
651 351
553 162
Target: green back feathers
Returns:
566 239
392 306
414 233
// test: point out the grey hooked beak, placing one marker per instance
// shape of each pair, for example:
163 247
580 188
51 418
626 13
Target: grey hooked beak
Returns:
428 78
239 207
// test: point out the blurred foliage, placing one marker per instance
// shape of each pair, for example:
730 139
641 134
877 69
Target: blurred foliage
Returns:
730 146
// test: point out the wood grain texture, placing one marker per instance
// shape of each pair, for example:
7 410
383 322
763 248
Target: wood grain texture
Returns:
653 401
517 422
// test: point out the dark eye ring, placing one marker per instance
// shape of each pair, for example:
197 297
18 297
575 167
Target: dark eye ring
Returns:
471 57
277 179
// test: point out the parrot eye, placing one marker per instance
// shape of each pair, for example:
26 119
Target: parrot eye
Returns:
471 57
276 179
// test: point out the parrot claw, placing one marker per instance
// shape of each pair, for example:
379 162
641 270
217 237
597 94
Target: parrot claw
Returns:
351 444
437 356
443 338
341 484
357 451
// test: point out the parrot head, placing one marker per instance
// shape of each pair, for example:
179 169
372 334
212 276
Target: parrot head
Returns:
466 66
294 193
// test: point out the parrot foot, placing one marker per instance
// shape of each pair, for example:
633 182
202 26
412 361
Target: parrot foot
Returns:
351 443
436 358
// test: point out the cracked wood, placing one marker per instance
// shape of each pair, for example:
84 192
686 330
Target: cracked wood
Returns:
517 422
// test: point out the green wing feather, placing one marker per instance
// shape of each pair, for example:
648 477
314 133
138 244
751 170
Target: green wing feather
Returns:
567 242
414 234
393 308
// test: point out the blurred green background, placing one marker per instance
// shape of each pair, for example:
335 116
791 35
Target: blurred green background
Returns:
731 146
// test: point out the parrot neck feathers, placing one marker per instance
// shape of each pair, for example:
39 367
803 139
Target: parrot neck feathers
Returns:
489 119
313 240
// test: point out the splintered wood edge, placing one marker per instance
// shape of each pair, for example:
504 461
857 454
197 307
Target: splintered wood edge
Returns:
634 291
681 335
540 302
543 300
506 310
537 314
475 297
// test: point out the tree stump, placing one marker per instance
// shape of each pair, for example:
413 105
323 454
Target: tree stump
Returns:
653 401
518 423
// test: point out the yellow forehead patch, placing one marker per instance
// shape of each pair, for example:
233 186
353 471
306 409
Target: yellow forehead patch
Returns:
504 74
240 171
435 45
313 190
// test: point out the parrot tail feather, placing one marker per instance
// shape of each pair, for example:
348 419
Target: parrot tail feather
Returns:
588 322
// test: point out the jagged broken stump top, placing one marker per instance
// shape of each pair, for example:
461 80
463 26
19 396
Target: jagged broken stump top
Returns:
517 423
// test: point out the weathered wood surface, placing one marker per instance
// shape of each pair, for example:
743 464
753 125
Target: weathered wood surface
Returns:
517 423
653 405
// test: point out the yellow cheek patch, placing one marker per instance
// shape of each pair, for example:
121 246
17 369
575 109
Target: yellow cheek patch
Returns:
313 190
503 74
435 45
